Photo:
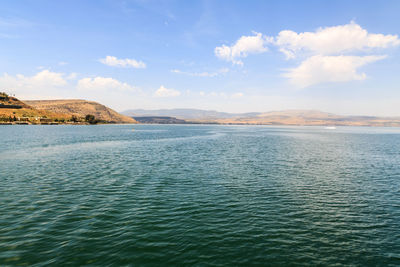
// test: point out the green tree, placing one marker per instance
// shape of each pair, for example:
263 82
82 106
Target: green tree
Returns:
91 119
74 118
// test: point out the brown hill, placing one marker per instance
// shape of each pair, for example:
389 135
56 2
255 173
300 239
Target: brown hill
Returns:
80 108
12 109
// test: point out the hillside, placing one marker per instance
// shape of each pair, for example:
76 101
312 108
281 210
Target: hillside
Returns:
16 111
80 108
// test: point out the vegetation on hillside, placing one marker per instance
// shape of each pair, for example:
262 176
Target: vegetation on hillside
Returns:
15 111
91 119
81 108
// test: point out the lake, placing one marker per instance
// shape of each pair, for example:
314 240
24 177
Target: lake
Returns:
206 195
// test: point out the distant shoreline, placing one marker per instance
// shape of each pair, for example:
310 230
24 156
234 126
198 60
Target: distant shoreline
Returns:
292 121
203 123
62 123
83 112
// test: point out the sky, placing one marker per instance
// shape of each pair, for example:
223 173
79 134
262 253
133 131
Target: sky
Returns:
235 56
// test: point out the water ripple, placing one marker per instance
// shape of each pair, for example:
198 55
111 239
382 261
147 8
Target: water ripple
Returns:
199 195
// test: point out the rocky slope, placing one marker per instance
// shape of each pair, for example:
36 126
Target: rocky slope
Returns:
12 109
80 108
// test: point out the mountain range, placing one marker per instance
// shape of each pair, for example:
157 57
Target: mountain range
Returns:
285 117
187 114
76 110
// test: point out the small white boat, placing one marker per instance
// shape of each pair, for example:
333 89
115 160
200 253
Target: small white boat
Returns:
330 128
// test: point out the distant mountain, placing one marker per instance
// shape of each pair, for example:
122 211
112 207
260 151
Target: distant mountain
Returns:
285 117
80 108
186 114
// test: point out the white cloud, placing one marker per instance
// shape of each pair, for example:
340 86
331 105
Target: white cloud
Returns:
216 94
44 82
44 78
237 95
321 69
202 74
333 40
54 85
244 46
165 92
330 54
103 84
333 53
127 62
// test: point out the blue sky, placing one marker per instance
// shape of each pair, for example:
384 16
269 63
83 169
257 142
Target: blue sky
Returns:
237 56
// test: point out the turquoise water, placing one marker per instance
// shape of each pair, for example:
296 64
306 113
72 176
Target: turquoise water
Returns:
199 195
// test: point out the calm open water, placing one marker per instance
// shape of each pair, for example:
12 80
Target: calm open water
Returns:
199 195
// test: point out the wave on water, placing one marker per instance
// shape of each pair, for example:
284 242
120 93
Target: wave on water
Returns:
49 149
202 196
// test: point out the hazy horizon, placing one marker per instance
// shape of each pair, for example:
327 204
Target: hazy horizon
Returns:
225 111
339 57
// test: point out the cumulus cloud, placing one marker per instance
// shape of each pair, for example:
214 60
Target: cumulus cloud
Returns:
330 54
42 81
244 46
103 84
333 40
321 69
333 53
125 63
165 92
44 78
202 74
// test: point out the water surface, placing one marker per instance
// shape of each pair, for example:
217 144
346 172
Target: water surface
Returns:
199 195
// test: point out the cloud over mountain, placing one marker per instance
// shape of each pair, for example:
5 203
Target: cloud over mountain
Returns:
319 69
43 82
165 92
